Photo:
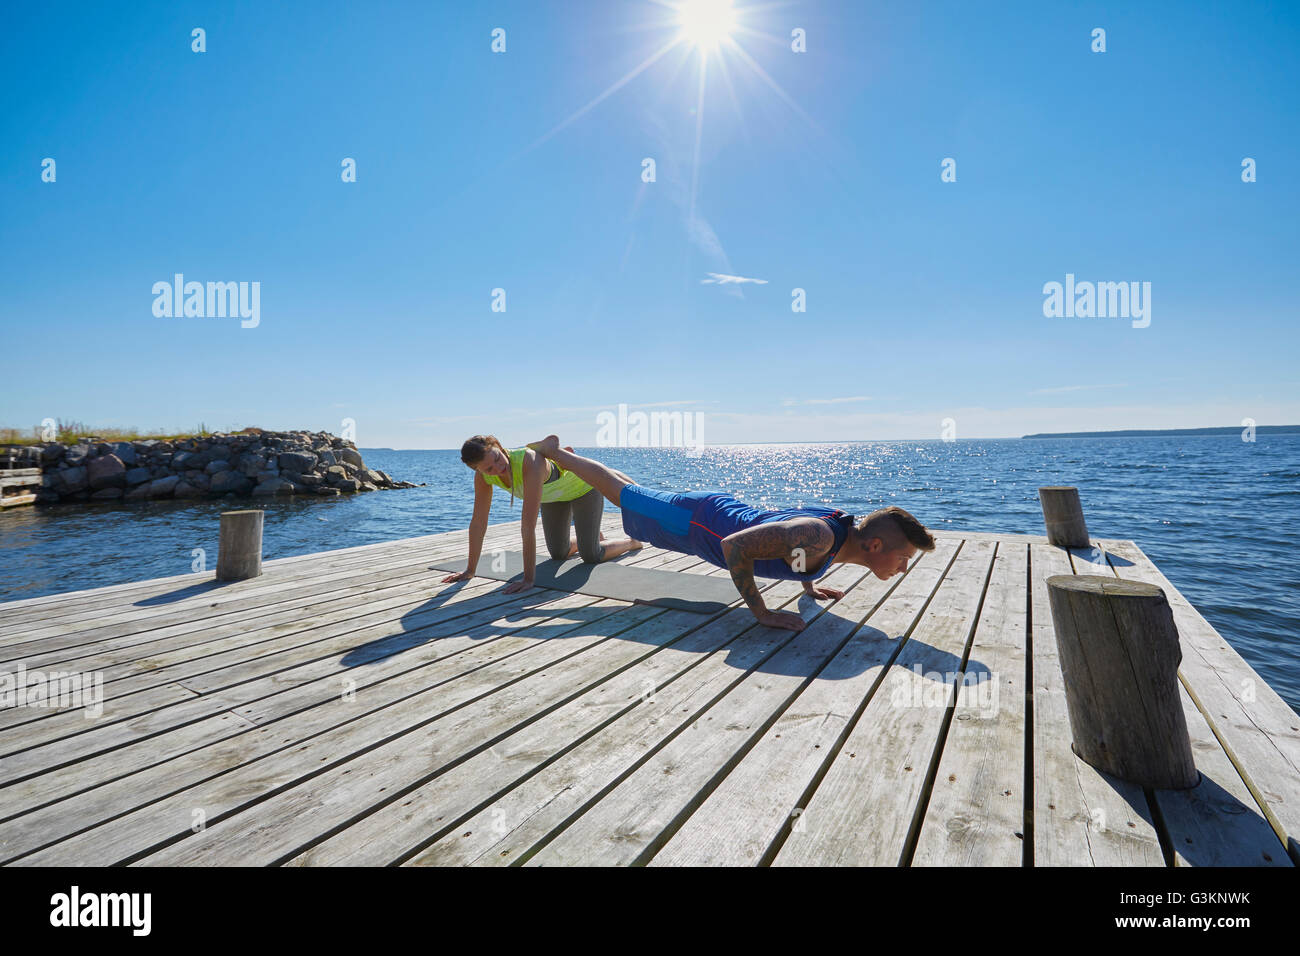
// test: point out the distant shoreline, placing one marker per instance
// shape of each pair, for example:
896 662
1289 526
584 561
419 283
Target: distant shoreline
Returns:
1174 432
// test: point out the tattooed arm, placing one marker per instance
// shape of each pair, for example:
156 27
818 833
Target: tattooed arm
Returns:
799 541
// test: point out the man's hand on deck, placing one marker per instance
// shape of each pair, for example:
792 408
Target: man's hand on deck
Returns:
813 591
787 620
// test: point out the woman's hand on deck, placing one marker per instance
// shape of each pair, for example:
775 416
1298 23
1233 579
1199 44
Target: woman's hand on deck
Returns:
458 576
517 587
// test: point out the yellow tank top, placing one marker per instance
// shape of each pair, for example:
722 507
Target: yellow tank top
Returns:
565 488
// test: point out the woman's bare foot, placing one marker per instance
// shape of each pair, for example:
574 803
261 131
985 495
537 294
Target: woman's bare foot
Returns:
547 447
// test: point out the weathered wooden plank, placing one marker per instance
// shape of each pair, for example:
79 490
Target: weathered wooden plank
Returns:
863 808
203 596
242 684
552 753
1081 817
1218 822
138 666
975 814
297 690
71 606
442 683
287 822
1259 732
761 797
299 571
519 817
439 807
631 822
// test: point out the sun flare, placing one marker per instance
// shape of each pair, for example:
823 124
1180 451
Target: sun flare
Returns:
706 23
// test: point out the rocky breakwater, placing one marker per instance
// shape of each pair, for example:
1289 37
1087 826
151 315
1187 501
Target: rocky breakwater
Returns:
252 463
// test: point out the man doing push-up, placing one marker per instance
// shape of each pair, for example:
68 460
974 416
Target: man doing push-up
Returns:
798 544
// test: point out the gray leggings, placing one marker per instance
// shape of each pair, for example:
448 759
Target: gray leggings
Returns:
585 514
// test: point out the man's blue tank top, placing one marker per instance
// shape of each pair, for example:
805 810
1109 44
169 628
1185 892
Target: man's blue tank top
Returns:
718 515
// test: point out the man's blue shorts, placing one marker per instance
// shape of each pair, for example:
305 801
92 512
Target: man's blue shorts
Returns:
661 518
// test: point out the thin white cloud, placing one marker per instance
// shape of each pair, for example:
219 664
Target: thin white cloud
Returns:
721 278
826 401
1071 388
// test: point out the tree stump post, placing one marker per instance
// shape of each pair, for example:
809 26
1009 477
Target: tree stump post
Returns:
239 550
1063 515
1119 655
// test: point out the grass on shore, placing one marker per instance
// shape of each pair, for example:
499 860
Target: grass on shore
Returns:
72 431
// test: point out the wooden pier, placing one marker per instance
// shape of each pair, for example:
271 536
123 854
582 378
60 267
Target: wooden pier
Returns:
348 708
18 486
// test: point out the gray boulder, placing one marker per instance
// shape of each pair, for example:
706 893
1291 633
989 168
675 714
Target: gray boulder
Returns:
138 492
215 466
296 461
348 484
136 476
186 490
164 487
76 454
126 451
106 471
73 479
224 482
274 486
107 493
53 452
349 456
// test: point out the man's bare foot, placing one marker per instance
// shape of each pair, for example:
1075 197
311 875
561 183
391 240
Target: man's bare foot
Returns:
547 447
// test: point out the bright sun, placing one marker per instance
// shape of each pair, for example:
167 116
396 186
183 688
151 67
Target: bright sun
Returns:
706 23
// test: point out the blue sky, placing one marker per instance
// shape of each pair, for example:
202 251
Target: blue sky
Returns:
817 170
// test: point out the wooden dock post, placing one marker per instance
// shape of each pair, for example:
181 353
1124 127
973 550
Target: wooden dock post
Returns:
1119 657
239 550
1063 515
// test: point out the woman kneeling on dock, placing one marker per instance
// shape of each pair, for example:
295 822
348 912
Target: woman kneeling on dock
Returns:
797 544
562 497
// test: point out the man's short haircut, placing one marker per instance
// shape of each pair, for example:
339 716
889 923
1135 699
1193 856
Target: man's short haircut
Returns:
893 526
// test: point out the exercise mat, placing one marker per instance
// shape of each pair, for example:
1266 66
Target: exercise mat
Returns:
624 582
